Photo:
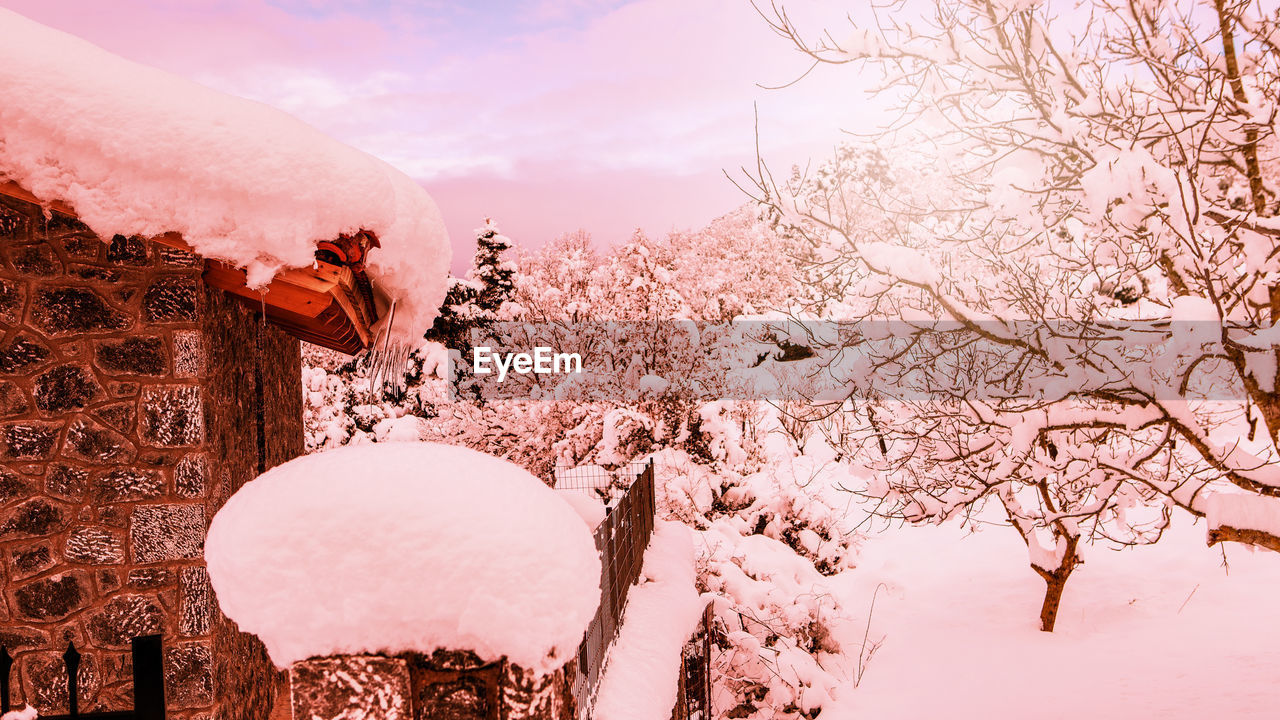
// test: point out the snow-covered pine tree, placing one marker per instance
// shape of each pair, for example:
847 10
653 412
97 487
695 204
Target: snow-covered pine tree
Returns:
456 316
494 272
483 298
477 301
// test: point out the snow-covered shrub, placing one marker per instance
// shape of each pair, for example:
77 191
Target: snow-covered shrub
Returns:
768 540
342 407
627 435
779 625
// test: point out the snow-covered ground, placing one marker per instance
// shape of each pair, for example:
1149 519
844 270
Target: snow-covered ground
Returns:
1163 631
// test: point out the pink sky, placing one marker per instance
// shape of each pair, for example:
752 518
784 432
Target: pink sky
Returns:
548 116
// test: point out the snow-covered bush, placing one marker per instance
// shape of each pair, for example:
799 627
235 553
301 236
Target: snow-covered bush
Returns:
342 406
769 539
627 434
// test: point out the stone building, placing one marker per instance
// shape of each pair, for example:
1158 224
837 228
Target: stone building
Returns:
135 396
143 381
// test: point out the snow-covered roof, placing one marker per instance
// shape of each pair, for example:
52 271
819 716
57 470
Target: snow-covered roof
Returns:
405 546
139 151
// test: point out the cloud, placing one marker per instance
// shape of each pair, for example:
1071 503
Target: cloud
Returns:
540 202
195 36
661 85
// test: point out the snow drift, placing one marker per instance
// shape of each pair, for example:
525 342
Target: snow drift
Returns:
139 151
405 547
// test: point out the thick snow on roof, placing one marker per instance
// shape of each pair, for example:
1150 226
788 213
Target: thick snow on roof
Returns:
393 547
138 151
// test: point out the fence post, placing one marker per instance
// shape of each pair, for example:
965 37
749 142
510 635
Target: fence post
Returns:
651 493
708 618
148 678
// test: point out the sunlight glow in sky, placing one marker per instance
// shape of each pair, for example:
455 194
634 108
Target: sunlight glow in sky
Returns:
547 115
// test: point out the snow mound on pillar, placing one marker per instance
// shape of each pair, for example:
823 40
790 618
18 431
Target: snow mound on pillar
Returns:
393 547
138 151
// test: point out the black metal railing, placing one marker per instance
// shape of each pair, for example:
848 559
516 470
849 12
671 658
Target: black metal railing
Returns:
148 683
621 539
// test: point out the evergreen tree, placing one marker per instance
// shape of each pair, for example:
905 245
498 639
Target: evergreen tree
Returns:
492 270
452 326
476 302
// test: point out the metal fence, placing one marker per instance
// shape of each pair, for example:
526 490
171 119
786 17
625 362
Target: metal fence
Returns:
148 684
603 483
693 695
621 539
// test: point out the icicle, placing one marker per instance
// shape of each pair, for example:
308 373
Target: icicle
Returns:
387 358
387 365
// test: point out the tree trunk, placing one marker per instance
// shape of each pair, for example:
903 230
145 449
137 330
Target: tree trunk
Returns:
1055 582
1054 585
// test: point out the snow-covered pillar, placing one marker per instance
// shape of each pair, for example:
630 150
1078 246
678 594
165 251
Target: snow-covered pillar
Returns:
409 581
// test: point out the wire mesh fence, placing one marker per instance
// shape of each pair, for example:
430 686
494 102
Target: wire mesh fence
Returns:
609 485
693 693
621 539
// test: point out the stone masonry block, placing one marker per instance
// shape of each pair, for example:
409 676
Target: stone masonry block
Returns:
31 440
64 388
123 618
172 416
172 299
22 355
95 546
351 687
95 443
131 356
53 597
198 607
71 310
158 533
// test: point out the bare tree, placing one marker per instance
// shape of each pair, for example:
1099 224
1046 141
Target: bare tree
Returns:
1072 219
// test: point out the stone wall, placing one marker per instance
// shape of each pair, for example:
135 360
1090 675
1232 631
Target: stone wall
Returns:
133 401
411 686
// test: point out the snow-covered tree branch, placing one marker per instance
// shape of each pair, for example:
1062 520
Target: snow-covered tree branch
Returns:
1061 258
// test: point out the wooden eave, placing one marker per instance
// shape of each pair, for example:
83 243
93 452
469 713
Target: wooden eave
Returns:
323 304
